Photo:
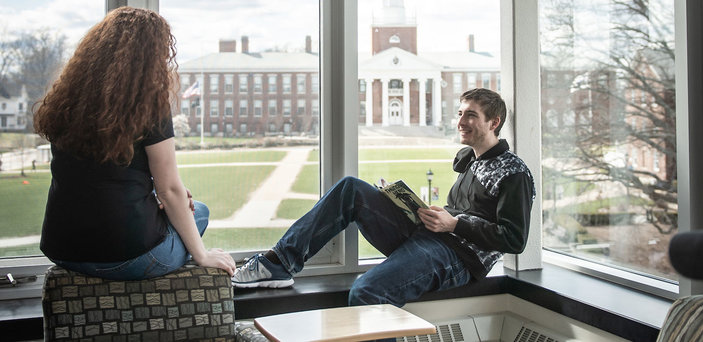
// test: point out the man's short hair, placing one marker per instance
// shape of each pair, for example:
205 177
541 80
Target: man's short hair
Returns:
491 103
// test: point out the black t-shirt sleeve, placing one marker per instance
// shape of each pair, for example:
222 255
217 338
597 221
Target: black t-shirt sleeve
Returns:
159 133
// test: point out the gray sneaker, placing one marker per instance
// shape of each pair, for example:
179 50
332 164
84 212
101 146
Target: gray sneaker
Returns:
260 272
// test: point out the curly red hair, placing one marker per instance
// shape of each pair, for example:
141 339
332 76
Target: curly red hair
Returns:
114 89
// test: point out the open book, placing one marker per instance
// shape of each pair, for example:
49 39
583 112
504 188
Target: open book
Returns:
403 197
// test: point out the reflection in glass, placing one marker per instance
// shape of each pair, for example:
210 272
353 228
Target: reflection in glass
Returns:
608 144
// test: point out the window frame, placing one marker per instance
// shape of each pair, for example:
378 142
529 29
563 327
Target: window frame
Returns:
520 74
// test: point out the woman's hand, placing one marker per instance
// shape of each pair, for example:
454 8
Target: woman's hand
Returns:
437 219
218 258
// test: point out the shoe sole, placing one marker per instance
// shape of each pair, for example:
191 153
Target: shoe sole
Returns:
267 283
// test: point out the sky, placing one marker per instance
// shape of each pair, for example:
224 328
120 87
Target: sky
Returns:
443 25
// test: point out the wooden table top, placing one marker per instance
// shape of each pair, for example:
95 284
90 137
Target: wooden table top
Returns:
354 323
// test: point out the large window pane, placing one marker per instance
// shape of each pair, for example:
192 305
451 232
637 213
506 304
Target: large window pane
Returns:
36 38
413 57
243 167
608 123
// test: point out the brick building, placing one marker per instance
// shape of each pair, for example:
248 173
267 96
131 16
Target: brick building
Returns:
258 93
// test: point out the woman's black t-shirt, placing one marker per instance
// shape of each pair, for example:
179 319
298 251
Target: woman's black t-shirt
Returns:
103 212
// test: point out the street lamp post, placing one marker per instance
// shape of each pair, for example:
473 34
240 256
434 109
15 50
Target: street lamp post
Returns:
429 186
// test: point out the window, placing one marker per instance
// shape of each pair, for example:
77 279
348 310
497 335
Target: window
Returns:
214 129
486 80
229 84
300 83
185 107
286 84
272 107
229 108
214 108
472 81
243 108
301 107
185 82
362 86
214 83
457 84
273 86
257 108
601 219
243 84
228 128
315 107
286 107
315 87
257 84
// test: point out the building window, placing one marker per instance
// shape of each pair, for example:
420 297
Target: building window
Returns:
362 86
258 86
301 107
272 107
185 81
214 108
472 80
229 108
185 107
242 128
315 107
243 84
394 39
362 110
243 111
498 85
229 84
315 86
214 83
486 80
257 107
286 107
228 128
214 129
300 83
273 86
286 84
457 84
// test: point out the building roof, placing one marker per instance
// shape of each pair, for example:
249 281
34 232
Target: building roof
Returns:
463 60
253 62
309 62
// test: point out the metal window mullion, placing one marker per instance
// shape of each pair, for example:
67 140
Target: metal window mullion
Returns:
521 90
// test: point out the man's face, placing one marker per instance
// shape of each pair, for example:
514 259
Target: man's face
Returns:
474 129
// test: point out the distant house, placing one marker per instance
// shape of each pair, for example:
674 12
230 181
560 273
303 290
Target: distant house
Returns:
277 92
13 108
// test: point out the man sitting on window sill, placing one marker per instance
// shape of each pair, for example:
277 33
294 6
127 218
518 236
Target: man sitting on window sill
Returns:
487 214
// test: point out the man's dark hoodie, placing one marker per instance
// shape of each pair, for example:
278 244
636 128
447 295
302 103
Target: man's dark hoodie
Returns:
492 198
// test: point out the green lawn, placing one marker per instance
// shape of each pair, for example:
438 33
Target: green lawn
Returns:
229 157
409 153
308 181
238 239
225 188
22 204
294 208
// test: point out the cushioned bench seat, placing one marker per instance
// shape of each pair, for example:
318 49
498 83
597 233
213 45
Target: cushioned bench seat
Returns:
192 303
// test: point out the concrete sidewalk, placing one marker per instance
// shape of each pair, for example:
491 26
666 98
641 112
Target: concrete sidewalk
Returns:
260 209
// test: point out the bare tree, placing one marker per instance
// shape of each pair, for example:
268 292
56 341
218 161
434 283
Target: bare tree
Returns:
622 99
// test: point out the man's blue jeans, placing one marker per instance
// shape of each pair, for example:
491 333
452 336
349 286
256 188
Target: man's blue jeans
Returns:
417 260
166 257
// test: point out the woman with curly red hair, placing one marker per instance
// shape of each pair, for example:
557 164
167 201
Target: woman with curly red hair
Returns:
108 120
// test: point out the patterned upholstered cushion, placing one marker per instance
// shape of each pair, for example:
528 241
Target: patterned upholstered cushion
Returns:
247 332
192 303
684 321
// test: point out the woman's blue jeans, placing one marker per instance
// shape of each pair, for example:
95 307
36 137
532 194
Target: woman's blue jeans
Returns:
166 257
417 260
